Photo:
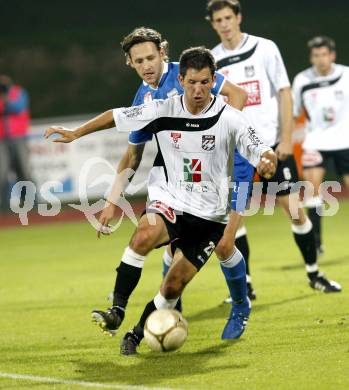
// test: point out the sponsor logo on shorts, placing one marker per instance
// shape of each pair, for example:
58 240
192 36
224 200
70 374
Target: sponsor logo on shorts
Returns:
192 170
208 142
253 92
163 209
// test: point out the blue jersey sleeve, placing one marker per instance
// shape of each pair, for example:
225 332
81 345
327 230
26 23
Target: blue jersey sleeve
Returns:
139 137
220 80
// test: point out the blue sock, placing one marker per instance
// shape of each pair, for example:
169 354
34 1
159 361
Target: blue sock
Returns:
234 271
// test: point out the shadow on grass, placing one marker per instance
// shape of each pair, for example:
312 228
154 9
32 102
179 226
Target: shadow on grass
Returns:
151 368
328 263
222 310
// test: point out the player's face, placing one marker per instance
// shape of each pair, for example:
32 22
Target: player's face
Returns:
197 85
147 61
226 23
322 58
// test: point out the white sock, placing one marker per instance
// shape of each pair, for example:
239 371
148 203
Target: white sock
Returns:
130 257
161 302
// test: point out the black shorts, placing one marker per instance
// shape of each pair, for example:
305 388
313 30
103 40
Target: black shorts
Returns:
286 176
195 237
314 159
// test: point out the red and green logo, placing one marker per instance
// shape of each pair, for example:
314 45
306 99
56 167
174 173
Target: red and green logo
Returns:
192 170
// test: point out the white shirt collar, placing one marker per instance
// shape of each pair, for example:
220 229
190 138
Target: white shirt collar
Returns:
202 111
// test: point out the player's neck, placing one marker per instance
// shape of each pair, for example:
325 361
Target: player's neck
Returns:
195 108
325 72
234 42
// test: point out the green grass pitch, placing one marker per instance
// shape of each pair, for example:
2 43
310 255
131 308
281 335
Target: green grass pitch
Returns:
53 275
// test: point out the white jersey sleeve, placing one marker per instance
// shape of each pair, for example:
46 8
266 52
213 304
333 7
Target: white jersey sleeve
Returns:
297 95
138 117
247 141
275 66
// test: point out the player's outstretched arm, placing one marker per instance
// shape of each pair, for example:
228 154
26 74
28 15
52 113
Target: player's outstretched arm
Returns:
236 95
267 164
100 122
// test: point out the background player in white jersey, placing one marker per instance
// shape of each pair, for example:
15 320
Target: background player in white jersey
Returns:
186 206
256 64
322 92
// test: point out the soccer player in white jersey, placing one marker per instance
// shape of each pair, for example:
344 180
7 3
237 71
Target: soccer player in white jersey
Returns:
322 92
145 51
188 183
255 63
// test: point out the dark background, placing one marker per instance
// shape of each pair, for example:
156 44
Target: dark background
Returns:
67 54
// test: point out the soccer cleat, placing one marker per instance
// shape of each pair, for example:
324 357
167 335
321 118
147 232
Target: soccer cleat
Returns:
237 321
129 344
251 293
322 284
109 321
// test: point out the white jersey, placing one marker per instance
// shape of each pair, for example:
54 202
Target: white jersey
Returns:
257 66
192 167
325 100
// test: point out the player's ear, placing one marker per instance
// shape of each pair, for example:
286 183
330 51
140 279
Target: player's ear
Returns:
129 61
239 18
333 56
181 80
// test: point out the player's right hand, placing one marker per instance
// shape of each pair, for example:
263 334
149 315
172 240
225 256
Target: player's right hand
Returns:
105 217
66 135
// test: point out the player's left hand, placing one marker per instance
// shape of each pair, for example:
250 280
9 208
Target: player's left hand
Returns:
66 135
267 164
284 150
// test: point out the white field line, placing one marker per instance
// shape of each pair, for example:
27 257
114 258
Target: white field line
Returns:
45 379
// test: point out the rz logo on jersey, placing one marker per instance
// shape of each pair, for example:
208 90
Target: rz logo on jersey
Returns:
249 71
132 112
192 170
208 142
175 137
163 209
253 92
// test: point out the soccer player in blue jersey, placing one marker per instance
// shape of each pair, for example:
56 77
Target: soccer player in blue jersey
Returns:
146 52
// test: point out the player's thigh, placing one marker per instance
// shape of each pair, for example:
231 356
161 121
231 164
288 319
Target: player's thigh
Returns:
292 207
315 176
150 233
341 162
346 181
179 275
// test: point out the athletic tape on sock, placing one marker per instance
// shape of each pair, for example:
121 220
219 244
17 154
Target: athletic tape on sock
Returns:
302 229
167 259
233 260
311 267
130 257
161 302
241 232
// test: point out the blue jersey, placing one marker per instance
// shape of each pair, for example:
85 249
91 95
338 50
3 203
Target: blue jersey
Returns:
169 86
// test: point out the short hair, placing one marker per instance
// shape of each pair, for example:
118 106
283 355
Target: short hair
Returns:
217 5
322 41
141 35
197 58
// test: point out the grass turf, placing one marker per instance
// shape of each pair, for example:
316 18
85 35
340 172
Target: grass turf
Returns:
53 275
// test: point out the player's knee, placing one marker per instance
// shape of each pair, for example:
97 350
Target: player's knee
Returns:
141 242
225 248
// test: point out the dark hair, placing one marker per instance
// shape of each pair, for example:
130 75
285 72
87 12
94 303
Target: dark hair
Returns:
217 5
141 35
197 58
322 41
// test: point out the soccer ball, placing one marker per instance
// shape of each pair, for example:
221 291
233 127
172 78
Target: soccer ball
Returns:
165 330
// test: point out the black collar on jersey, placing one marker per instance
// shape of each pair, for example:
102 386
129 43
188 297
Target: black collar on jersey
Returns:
320 84
236 58
183 124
